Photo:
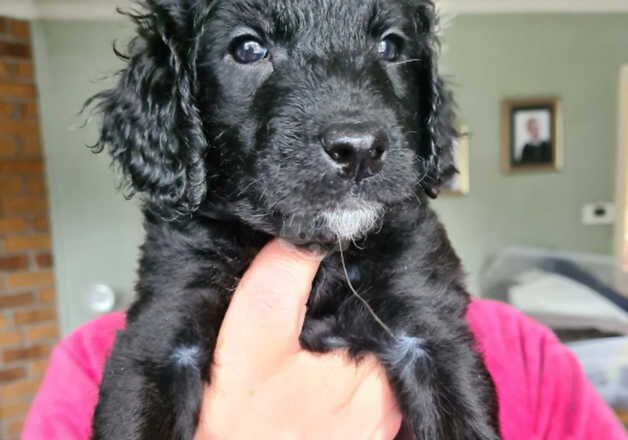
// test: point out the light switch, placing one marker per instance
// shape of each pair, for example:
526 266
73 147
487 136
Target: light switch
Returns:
602 213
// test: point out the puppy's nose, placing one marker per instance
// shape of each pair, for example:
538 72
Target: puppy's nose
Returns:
357 150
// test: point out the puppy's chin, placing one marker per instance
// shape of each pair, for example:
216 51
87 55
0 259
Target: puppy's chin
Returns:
347 220
352 222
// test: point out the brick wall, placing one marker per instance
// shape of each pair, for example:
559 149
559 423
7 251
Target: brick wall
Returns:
28 327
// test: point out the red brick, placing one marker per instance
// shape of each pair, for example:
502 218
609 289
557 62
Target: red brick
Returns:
15 72
15 262
35 316
15 427
42 333
26 280
4 322
8 339
25 353
24 70
47 295
19 205
29 110
27 242
12 225
44 261
30 145
18 390
8 411
11 186
8 146
21 167
36 186
14 49
38 368
29 279
12 374
6 70
19 127
41 224
8 109
4 25
16 300
19 29
24 91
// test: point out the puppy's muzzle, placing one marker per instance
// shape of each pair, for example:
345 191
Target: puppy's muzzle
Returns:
356 150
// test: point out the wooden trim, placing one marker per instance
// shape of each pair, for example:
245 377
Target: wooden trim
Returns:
463 163
506 133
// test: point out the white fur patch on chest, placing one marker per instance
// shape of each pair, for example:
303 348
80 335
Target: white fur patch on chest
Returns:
186 356
409 355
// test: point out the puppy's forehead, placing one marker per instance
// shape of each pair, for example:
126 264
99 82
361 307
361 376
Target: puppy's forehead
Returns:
333 19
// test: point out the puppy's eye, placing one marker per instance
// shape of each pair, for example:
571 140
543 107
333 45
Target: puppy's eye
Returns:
247 50
389 49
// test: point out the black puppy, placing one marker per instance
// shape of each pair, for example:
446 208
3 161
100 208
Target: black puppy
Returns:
321 121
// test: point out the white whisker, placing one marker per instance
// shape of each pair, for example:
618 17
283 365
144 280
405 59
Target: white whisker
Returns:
399 63
358 296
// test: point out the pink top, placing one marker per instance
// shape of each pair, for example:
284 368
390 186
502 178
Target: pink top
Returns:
543 394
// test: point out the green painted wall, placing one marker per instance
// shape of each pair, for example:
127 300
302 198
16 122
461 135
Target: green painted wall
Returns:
95 231
577 57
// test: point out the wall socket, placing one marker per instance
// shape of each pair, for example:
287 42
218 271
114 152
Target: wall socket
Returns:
602 213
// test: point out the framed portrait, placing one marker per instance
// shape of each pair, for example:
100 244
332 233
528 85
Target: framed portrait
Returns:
531 135
459 184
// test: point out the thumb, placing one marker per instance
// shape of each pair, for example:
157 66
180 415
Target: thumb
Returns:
265 317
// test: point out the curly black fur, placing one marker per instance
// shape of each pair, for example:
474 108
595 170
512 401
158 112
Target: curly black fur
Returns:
227 156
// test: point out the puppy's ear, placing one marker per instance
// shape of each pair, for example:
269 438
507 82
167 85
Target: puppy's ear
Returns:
150 123
437 115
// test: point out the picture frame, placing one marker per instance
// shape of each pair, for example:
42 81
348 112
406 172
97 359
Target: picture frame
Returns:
460 184
531 134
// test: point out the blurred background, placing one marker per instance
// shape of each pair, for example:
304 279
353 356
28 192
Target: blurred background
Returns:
548 236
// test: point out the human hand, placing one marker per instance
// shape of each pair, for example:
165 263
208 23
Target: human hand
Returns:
264 386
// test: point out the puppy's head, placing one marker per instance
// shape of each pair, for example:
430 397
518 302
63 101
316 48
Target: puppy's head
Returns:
305 118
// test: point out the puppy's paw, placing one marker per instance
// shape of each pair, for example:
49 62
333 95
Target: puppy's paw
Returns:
319 336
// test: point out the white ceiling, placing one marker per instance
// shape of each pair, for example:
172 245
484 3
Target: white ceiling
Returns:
105 9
